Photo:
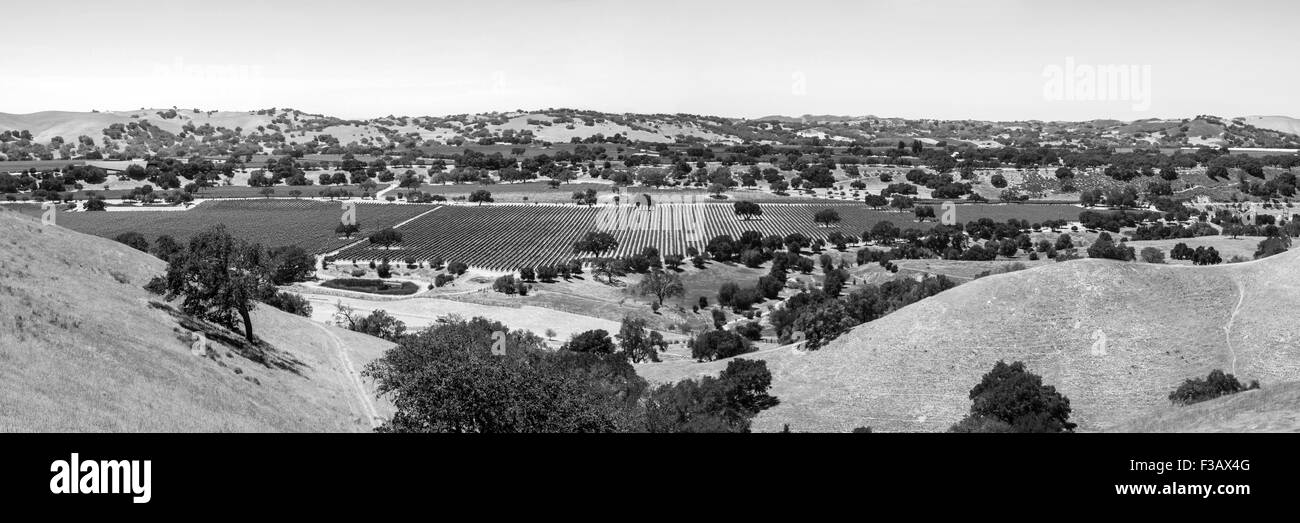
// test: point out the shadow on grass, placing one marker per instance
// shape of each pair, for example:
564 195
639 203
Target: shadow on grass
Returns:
261 352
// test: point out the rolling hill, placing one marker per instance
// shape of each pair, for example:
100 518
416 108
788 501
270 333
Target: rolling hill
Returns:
84 348
182 132
1114 337
1281 124
1273 408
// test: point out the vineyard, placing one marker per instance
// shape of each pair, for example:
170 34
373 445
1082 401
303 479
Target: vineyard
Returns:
306 223
506 237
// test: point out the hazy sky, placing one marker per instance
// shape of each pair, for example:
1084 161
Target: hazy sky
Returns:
988 59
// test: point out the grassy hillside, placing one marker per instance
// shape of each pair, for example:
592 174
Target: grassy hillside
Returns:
1274 408
1114 337
1281 124
83 349
267 130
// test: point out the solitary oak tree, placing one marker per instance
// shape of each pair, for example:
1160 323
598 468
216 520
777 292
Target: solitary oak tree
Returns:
219 277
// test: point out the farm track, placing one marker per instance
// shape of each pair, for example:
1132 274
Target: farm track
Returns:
354 377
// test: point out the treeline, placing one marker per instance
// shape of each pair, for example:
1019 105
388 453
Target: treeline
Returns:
821 316
477 376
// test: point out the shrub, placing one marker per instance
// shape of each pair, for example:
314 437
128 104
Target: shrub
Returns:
1011 399
1196 390
752 258
505 284
133 240
1104 247
745 298
547 273
750 330
724 404
527 274
727 292
457 268
157 285
357 273
1153 255
770 286
820 321
1271 246
717 344
1206 256
385 270
595 341
443 279
290 303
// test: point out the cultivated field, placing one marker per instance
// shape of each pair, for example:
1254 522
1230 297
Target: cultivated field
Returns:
306 223
506 237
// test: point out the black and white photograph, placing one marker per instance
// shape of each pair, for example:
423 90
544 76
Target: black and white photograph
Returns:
921 220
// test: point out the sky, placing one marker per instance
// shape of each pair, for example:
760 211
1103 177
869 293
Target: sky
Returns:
988 59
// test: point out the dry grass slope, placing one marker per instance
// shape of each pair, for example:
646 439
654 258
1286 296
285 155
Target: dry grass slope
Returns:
1116 338
82 350
1272 408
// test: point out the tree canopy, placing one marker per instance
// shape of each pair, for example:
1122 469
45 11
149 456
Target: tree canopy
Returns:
1011 399
219 277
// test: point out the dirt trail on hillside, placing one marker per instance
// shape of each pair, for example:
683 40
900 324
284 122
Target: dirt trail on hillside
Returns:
359 388
1227 329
